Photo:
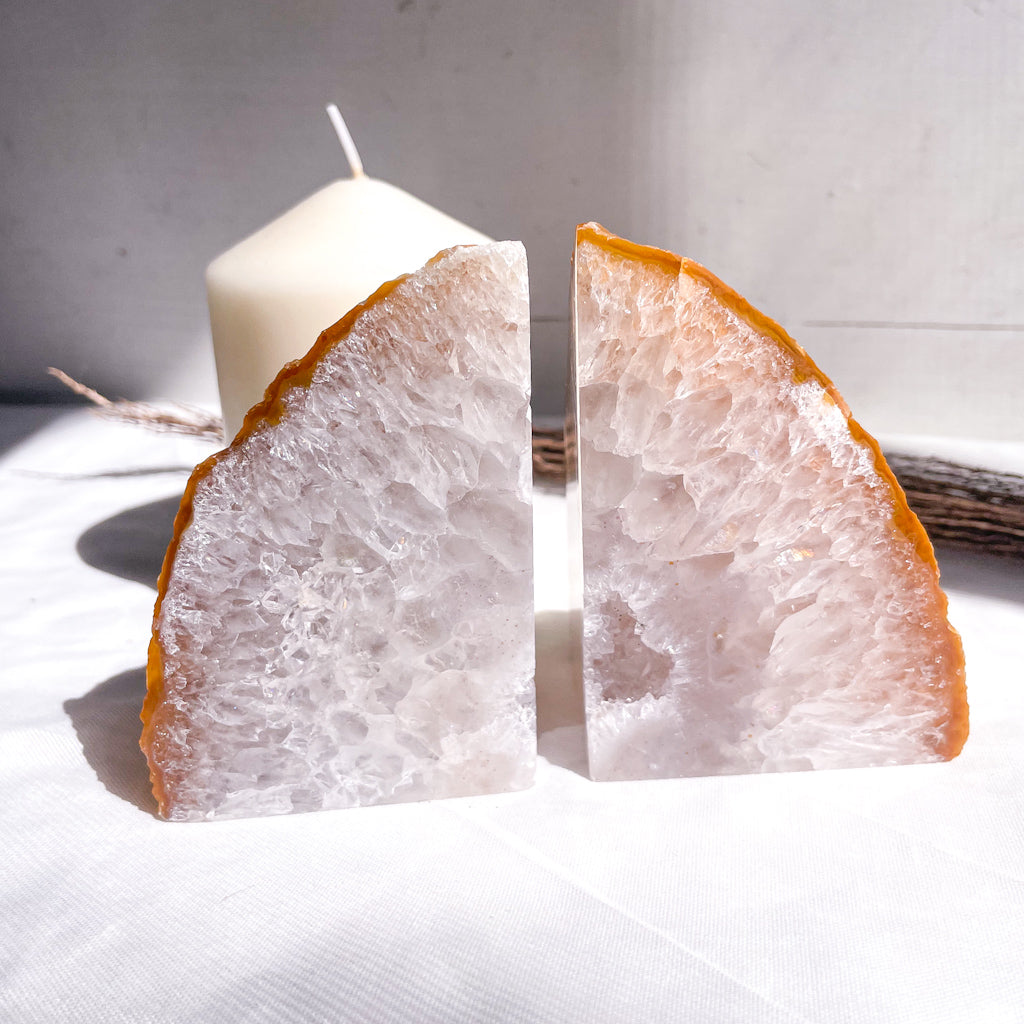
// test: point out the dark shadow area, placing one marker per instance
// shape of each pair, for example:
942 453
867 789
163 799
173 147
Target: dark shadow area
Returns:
131 544
975 572
559 692
18 422
106 721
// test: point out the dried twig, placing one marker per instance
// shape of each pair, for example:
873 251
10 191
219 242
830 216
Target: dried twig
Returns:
175 418
548 454
964 506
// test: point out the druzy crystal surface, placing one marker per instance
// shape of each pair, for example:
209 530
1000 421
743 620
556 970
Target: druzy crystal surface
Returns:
347 618
750 601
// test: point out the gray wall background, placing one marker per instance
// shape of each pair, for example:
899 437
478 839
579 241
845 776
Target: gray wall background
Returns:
853 168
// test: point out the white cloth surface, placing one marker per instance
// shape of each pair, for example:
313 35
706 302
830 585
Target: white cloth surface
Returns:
869 895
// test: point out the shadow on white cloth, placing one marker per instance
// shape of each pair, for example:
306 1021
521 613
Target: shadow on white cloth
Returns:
106 721
131 544
974 572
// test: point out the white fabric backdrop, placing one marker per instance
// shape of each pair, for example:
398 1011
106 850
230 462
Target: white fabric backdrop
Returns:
888 894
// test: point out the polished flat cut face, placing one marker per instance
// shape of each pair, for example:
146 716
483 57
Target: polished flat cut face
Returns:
346 612
756 595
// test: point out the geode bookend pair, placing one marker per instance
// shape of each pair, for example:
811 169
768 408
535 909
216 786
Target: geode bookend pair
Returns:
345 614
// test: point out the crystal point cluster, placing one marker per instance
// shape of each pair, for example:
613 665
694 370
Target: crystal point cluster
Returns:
756 596
346 615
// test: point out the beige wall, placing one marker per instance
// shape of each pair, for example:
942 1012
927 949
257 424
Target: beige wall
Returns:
845 165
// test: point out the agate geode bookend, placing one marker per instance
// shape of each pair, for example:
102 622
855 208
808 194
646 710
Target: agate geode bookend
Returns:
345 615
756 594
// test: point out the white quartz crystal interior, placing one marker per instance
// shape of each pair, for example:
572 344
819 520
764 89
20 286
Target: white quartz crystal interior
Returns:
348 619
748 603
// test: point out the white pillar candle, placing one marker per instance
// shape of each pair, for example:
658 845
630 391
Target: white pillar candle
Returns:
271 295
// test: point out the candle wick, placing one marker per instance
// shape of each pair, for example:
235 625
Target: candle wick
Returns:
351 153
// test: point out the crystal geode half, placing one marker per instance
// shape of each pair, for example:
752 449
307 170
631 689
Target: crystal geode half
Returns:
345 614
756 594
